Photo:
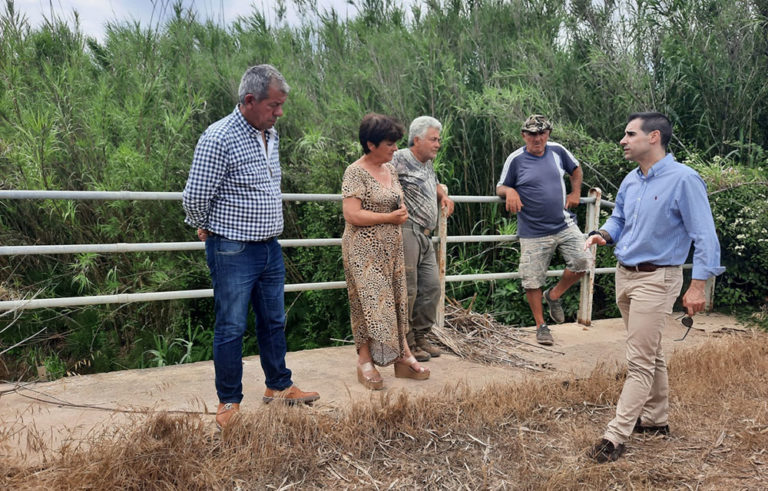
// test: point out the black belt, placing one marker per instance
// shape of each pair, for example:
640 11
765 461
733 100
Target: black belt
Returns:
212 234
646 267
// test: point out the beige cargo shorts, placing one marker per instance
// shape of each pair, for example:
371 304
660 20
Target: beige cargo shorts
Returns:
537 253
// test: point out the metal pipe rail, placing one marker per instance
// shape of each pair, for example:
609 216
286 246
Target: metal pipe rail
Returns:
138 195
176 196
193 246
122 247
593 203
41 303
141 247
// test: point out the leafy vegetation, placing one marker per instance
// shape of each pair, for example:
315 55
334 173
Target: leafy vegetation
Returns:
125 113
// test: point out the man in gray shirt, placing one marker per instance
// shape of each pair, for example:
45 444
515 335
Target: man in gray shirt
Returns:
422 196
532 187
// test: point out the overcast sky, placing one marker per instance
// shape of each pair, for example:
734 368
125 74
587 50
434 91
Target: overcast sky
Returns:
94 14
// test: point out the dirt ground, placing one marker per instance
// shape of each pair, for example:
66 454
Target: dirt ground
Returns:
40 418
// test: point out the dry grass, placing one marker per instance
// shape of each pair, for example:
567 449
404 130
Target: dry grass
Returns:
530 435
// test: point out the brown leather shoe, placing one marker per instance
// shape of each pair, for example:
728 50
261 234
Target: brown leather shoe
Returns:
419 353
225 412
291 395
430 348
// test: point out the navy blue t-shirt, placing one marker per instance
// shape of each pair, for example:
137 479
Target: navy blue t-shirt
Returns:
540 184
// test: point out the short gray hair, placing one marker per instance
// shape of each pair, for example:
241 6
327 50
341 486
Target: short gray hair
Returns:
419 127
257 80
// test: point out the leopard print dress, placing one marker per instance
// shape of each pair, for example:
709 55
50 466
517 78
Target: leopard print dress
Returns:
375 269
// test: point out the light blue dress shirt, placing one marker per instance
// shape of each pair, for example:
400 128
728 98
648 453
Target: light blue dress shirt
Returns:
657 217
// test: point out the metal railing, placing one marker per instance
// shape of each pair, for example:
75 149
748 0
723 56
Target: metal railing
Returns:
592 201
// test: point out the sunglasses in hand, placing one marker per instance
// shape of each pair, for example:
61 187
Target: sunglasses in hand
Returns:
686 321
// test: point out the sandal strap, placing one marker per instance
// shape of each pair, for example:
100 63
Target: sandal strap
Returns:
410 362
369 372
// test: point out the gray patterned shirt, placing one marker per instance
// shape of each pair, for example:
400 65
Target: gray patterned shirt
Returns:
419 184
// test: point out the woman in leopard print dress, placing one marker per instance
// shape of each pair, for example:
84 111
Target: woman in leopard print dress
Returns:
372 249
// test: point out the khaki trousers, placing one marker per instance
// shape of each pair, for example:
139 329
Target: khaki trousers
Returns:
645 300
423 282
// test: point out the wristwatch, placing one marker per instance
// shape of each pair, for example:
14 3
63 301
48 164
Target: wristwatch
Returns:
602 234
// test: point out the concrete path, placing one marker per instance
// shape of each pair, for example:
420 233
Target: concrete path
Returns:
37 418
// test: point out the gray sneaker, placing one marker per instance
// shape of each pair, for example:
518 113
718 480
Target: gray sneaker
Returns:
544 335
555 308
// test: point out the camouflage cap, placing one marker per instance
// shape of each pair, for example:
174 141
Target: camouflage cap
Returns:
536 123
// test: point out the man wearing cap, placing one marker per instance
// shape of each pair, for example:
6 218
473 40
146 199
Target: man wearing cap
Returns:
661 209
532 186
423 195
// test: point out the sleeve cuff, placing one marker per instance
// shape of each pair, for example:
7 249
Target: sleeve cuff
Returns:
706 272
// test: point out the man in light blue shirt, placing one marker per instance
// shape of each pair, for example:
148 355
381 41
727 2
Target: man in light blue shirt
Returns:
661 209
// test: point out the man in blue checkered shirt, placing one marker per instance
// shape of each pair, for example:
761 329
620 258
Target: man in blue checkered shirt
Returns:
233 198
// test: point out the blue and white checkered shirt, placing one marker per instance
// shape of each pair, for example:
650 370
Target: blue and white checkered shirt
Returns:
233 188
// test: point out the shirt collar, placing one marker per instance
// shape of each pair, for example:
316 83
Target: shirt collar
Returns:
658 168
546 149
417 161
246 126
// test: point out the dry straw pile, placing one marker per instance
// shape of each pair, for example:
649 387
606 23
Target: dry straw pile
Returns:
529 435
480 338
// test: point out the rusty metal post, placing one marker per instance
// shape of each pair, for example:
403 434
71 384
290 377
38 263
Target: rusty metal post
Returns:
709 294
584 316
441 258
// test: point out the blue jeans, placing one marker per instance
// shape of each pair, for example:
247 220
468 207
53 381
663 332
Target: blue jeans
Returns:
246 273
